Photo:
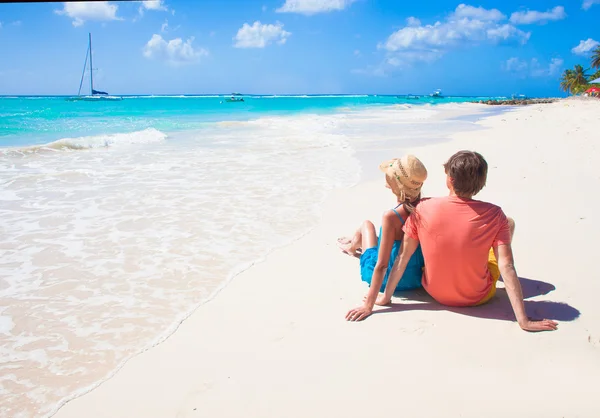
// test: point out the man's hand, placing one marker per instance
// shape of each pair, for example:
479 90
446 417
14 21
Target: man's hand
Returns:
358 314
537 326
515 293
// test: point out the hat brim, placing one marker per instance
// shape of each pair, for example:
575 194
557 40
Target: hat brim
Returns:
398 188
386 165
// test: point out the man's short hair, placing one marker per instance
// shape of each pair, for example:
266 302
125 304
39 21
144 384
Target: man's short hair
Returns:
468 171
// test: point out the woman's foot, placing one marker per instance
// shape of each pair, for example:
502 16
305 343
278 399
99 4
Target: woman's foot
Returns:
344 240
345 244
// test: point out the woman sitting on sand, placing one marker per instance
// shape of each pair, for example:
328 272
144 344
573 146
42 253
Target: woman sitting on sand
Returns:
405 177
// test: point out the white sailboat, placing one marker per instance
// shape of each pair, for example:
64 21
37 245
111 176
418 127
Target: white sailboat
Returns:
95 95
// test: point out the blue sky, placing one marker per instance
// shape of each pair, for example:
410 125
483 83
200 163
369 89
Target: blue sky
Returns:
490 47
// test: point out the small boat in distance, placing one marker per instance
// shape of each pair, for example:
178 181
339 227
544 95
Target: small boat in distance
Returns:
437 93
412 97
235 97
95 95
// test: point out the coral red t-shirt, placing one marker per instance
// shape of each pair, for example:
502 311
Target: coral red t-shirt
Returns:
456 236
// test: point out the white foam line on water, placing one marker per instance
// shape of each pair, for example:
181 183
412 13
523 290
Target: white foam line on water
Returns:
146 136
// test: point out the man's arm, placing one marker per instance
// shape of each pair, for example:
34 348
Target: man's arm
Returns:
506 265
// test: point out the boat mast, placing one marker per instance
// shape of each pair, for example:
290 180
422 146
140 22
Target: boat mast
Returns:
87 54
91 68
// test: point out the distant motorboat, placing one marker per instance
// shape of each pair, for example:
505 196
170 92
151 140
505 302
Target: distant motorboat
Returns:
412 97
235 97
95 95
436 94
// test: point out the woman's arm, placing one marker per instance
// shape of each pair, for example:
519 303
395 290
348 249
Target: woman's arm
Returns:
409 246
383 257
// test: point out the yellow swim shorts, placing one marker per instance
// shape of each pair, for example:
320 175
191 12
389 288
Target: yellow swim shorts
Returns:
495 272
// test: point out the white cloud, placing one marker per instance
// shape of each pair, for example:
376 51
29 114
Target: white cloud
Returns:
533 68
506 32
260 35
466 25
157 5
175 51
165 26
478 13
514 64
532 16
357 53
585 47
16 23
555 66
589 3
81 12
311 7
154 5
552 69
413 21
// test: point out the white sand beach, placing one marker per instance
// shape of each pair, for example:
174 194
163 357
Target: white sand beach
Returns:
274 342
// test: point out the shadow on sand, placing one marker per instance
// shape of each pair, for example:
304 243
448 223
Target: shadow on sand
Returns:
498 308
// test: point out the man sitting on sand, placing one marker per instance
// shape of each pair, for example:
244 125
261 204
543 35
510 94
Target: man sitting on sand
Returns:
461 240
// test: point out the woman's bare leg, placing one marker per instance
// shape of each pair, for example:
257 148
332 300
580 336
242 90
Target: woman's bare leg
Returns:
364 237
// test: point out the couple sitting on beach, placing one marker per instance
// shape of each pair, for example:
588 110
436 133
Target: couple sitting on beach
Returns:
454 246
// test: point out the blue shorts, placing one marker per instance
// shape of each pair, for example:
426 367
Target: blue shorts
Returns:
411 279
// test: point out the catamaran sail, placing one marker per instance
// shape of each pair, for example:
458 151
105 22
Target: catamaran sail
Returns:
94 94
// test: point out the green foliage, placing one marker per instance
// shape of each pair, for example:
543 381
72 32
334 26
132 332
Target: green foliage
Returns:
576 81
596 57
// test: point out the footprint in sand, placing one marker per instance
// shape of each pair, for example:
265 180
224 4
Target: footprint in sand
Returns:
418 328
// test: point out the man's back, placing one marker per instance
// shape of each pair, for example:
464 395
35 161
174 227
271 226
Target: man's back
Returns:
456 235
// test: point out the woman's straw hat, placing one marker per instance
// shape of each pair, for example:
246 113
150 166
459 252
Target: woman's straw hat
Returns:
405 176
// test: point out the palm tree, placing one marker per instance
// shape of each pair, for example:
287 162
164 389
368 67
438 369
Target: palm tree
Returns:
596 57
580 79
574 81
566 81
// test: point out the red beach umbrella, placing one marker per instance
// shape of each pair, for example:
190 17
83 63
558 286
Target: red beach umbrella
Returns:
593 90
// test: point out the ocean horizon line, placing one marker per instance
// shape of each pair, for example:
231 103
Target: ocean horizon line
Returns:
293 95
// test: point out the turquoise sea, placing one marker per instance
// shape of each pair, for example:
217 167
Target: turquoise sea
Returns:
40 120
119 219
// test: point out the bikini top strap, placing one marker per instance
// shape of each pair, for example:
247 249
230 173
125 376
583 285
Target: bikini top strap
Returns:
397 214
